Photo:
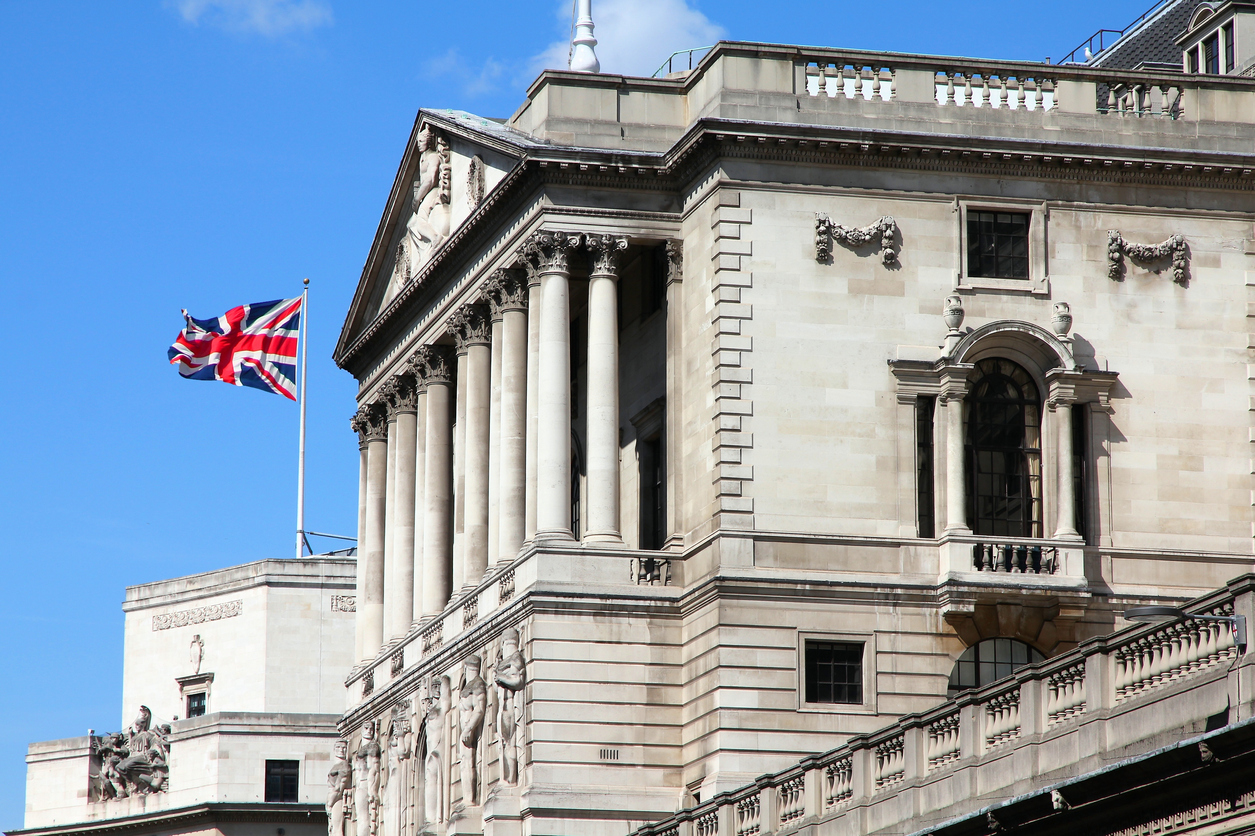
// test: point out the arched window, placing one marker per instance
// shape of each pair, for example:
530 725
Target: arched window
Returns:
988 661
1003 451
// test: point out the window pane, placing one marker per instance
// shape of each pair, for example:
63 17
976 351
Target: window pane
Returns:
834 672
988 661
997 244
195 705
282 781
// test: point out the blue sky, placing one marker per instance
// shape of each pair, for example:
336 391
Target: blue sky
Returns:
206 153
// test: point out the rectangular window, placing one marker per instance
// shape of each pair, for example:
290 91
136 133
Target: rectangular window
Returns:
653 513
834 672
924 406
281 781
196 705
1191 59
997 244
1227 31
1211 55
1080 459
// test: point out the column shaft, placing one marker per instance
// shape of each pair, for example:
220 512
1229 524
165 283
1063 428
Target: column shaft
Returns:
603 390
389 528
359 425
420 502
1066 510
675 390
478 396
401 614
370 605
533 404
494 444
956 488
459 472
513 502
438 495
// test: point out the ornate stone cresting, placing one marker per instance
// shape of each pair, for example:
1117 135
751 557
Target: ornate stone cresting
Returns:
826 231
605 252
132 762
475 182
471 325
510 675
472 706
339 780
505 291
428 227
366 777
1118 248
551 251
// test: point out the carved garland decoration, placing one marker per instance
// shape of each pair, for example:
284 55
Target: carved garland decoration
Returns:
1118 248
826 232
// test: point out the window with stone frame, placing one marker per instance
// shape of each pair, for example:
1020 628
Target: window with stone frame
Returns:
283 781
988 661
833 672
1003 451
925 406
997 244
197 704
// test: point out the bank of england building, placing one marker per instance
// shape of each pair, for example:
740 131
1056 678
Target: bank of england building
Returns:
775 445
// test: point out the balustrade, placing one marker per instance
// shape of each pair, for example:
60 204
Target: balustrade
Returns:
707 824
1142 98
1173 651
791 802
1015 558
857 81
838 782
891 761
1065 693
1002 718
748 816
964 88
943 741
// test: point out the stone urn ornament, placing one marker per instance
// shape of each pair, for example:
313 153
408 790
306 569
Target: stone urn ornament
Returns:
953 313
1061 321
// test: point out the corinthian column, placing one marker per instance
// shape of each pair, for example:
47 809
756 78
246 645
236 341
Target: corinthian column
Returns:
386 395
359 425
471 329
370 563
417 366
438 491
1066 510
533 398
399 586
551 251
603 388
494 420
508 299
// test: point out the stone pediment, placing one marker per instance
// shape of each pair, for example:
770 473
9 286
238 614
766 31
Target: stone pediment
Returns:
452 162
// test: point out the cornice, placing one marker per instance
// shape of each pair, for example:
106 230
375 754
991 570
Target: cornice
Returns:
181 817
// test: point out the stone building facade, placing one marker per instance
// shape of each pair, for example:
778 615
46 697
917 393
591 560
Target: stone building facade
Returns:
708 421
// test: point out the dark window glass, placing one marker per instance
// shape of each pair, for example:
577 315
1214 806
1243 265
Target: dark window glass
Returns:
1228 46
575 497
281 781
1080 463
997 245
653 280
1003 451
834 672
924 406
195 705
653 514
989 661
1191 58
1211 54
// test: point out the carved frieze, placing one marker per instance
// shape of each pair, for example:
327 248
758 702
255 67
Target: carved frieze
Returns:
475 182
551 251
1118 248
197 615
604 252
131 762
675 261
471 325
344 603
826 232
401 274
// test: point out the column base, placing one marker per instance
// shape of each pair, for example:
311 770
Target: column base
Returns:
610 538
561 534
958 529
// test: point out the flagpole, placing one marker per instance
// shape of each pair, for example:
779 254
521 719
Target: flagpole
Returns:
300 467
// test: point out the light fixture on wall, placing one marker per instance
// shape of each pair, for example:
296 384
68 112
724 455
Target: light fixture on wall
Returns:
1160 614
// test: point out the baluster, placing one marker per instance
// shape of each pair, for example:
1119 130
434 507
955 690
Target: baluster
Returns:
949 95
814 72
875 83
893 82
839 89
1003 92
1111 98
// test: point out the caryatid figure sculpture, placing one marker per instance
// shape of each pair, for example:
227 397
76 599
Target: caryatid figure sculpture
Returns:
439 703
338 778
510 676
471 710
428 227
366 790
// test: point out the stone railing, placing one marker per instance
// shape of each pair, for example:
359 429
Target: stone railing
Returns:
1016 558
1101 679
1003 85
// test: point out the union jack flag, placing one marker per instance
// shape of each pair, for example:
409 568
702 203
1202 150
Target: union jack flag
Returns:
252 345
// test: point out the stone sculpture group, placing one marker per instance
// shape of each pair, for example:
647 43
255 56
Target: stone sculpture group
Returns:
423 766
134 761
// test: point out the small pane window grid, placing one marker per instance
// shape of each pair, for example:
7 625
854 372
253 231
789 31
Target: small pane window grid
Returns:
997 244
1004 452
924 406
196 704
988 661
1227 31
834 672
282 781
1211 54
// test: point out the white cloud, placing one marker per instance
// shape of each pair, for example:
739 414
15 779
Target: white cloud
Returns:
635 36
476 81
264 17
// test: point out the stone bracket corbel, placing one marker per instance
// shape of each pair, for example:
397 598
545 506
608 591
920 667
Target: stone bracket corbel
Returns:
1118 248
826 232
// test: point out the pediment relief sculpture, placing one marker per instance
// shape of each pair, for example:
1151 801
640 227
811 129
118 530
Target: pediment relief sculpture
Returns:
429 225
1146 254
132 762
827 231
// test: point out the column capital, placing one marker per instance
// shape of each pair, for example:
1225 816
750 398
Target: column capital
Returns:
471 325
438 364
605 252
403 393
416 364
374 420
360 423
387 394
675 261
505 291
551 251
952 381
